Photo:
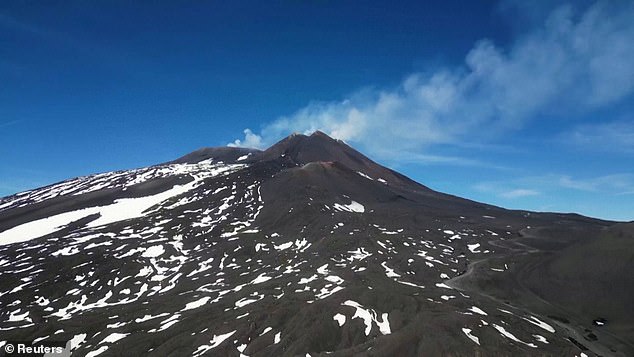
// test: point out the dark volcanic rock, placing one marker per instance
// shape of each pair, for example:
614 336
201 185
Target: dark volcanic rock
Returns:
225 154
308 247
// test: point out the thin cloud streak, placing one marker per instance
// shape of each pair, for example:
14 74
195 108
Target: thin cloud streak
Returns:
520 192
616 136
507 190
614 184
435 159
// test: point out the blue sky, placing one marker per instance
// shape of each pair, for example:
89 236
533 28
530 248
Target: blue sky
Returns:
520 104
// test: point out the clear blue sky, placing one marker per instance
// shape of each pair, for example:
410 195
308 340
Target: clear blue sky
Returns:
523 106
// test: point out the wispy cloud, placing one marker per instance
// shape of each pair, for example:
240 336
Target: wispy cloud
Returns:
614 184
508 190
572 63
411 157
605 196
520 192
615 136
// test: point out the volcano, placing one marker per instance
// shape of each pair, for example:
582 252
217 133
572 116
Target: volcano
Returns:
308 248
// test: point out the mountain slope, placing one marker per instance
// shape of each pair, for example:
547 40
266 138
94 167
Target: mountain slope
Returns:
308 247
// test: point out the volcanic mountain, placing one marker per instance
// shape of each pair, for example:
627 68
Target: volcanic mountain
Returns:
306 248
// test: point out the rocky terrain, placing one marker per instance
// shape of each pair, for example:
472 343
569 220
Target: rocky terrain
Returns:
306 248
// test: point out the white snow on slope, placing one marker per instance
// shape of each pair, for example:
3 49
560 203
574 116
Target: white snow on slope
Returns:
114 337
115 179
244 157
128 208
215 342
467 331
42 227
473 247
341 319
368 316
154 251
389 271
352 207
511 336
196 304
97 352
121 209
477 310
77 340
537 322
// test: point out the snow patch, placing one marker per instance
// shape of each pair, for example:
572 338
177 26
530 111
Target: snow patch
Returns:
477 310
473 247
341 319
509 335
352 207
467 331
214 342
368 316
196 304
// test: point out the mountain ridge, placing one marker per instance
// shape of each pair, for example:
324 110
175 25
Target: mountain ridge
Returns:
308 247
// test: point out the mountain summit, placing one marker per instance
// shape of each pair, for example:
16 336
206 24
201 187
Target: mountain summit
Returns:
305 248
